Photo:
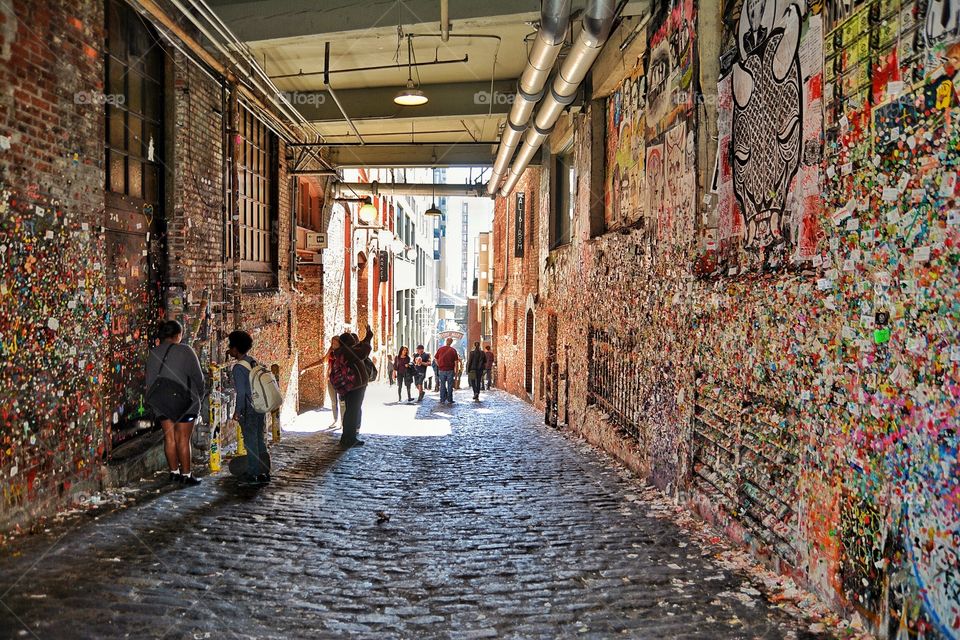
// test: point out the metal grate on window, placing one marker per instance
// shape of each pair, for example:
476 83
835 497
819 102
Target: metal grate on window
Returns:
257 201
614 381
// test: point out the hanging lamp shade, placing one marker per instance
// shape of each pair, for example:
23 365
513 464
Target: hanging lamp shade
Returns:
433 211
410 96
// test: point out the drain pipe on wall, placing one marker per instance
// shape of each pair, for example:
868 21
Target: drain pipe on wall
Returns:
554 20
234 149
597 22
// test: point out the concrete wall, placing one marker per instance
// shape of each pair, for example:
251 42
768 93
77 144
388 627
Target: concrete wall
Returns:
775 345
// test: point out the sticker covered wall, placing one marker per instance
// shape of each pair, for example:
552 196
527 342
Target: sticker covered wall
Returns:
793 369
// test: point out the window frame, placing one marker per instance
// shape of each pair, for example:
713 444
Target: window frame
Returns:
258 176
563 195
137 114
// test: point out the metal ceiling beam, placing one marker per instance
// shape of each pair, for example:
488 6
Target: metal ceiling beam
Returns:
256 20
460 99
411 155
412 189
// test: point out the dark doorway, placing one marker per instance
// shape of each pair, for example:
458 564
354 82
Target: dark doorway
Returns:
133 221
553 373
528 354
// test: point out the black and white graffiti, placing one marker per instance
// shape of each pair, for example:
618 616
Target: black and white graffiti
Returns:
767 129
943 21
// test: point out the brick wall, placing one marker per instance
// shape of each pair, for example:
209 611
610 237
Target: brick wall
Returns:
58 325
515 283
52 309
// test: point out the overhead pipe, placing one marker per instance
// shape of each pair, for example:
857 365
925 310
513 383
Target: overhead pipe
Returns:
554 20
326 84
256 76
430 63
597 22
410 189
444 20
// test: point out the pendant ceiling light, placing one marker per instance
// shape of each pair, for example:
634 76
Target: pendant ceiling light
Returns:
433 210
411 95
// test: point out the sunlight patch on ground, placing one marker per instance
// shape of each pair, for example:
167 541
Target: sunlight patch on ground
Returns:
310 422
431 428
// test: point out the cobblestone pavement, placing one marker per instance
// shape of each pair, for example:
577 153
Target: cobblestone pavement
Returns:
498 527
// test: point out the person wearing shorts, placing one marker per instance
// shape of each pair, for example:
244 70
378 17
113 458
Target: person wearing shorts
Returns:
421 360
177 362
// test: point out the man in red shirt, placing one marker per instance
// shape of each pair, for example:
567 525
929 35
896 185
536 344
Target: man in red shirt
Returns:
446 359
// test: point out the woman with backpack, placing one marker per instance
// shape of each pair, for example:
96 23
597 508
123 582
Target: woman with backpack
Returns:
175 387
350 372
404 373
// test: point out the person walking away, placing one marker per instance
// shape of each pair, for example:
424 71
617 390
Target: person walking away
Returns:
436 375
476 362
174 390
404 373
252 423
446 360
331 392
350 375
421 361
489 361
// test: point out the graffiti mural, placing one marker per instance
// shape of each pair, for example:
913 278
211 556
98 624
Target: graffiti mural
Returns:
769 136
656 184
625 147
671 81
670 180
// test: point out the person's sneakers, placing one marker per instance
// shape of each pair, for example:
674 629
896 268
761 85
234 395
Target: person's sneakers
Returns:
189 480
420 397
174 476
346 444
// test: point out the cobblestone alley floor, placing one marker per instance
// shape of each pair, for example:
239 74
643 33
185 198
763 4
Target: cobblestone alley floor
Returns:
498 527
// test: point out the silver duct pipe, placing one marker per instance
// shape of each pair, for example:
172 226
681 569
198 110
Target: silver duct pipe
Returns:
428 190
554 19
445 20
597 22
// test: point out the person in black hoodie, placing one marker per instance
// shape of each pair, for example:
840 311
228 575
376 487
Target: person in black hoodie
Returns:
476 363
350 370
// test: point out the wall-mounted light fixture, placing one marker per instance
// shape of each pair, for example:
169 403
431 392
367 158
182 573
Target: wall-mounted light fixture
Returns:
368 213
